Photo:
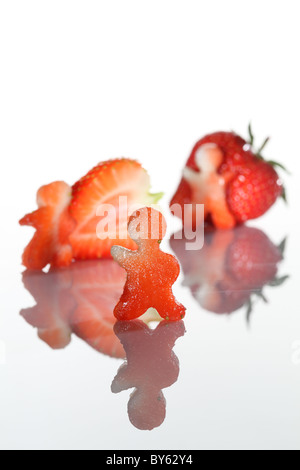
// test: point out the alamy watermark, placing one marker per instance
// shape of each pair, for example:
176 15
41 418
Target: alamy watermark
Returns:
112 219
2 353
296 352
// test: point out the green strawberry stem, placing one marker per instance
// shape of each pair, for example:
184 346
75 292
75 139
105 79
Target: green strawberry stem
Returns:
271 162
154 198
251 136
258 154
283 195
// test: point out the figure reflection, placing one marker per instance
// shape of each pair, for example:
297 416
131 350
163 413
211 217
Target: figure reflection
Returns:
232 268
151 365
79 299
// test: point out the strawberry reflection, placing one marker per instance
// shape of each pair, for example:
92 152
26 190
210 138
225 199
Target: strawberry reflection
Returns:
151 365
79 299
232 268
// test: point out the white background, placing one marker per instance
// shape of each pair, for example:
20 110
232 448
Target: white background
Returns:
84 81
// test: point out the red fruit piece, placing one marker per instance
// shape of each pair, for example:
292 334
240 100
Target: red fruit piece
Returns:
150 366
105 184
53 223
253 192
150 272
232 182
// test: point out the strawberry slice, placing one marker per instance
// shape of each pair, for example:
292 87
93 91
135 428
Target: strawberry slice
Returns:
122 183
53 223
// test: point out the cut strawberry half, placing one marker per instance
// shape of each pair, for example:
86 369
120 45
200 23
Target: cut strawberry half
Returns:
53 224
122 184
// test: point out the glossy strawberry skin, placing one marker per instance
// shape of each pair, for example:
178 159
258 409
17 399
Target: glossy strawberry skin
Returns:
235 149
253 192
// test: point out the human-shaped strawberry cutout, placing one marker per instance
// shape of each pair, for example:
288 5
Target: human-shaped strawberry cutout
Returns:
208 185
142 370
150 272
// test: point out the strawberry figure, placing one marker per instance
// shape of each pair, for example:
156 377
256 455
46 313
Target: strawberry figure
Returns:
142 370
234 182
150 272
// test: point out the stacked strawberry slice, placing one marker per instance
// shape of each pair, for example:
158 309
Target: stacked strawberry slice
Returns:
234 182
68 220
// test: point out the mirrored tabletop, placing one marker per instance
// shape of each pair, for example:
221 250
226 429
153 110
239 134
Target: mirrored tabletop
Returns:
227 376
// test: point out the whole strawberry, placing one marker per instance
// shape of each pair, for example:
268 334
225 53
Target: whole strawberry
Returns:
234 182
